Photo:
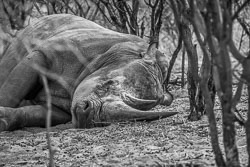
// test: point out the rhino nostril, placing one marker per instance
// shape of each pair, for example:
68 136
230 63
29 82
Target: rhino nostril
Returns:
83 115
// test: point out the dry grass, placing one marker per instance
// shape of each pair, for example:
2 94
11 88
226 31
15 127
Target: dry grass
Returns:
169 142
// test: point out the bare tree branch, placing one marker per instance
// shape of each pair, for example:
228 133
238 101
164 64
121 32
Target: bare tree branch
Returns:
236 14
199 27
38 9
183 66
237 55
243 25
174 56
48 121
103 12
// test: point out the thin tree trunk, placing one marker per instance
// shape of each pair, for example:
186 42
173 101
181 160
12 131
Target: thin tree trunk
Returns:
192 74
180 11
247 125
246 77
183 67
209 105
208 91
172 61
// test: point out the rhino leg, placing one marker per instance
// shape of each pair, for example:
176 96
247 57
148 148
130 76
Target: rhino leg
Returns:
5 67
30 116
21 80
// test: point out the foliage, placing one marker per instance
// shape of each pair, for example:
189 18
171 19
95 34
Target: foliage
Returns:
165 142
169 142
214 22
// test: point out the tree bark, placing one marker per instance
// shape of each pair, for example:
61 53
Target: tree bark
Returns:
219 28
173 58
181 10
246 77
192 75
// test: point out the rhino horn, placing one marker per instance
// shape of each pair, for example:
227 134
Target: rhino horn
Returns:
92 114
143 104
119 111
137 103
167 99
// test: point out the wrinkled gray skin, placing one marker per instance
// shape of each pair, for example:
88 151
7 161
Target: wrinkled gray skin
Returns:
109 76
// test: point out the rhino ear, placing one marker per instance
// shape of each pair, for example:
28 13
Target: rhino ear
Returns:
162 61
150 55
152 50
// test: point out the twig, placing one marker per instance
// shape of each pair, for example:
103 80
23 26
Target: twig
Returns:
174 56
80 8
237 55
239 118
183 67
94 14
235 101
38 9
240 9
241 39
48 121
103 12
243 25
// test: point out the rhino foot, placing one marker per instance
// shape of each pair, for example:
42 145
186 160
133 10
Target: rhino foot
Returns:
10 119
30 116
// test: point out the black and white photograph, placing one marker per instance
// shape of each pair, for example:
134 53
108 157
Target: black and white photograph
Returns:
124 83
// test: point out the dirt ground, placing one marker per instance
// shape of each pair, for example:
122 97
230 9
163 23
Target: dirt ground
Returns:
168 142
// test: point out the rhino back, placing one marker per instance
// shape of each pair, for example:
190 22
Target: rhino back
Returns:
59 26
73 42
63 27
47 32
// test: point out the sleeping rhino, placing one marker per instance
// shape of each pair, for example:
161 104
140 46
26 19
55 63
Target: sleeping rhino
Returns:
94 75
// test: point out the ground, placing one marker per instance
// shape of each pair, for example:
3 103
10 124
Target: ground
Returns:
168 142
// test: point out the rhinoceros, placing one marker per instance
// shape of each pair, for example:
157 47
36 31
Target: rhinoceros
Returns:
95 76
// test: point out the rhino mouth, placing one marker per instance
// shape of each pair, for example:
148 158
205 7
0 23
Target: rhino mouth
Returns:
87 113
97 113
88 117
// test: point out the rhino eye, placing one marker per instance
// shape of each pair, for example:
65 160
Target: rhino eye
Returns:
106 84
105 87
86 106
141 55
109 82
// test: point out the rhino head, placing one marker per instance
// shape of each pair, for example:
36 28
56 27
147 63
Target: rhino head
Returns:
124 85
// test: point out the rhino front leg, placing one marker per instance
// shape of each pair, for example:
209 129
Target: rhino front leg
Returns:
30 116
21 80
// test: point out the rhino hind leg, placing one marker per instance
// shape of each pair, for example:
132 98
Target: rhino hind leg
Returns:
30 116
21 80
